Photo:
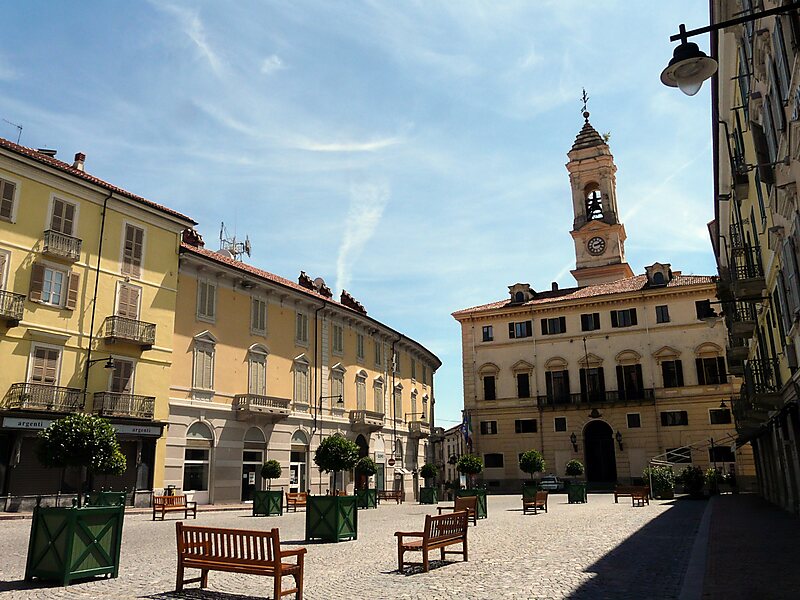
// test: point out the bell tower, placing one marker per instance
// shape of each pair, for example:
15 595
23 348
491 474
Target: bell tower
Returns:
598 234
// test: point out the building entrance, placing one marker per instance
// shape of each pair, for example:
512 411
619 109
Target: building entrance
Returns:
251 465
601 461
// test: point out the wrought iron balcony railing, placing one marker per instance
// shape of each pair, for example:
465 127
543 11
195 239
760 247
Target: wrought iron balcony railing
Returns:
741 318
599 397
762 381
11 307
113 404
747 273
122 329
61 246
40 396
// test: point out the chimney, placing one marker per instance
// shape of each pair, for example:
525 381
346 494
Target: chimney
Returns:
80 158
47 152
192 238
554 286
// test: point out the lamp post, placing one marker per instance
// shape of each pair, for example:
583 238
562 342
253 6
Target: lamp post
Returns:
109 360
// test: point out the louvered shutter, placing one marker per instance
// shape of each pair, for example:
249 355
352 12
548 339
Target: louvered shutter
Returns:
679 372
73 292
584 322
132 254
122 379
621 382
721 371
633 316
562 323
566 390
202 297
614 319
6 199
37 282
212 297
601 378
511 331
128 302
528 328
701 375
544 327
584 383
45 366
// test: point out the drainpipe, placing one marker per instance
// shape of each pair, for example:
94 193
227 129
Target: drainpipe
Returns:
394 404
317 402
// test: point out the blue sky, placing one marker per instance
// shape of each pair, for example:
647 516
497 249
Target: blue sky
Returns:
410 152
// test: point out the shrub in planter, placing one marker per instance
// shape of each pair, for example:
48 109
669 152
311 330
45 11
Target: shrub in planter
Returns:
576 491
574 468
663 481
428 471
713 478
336 454
366 466
471 466
693 481
82 541
428 494
531 462
268 502
333 518
367 497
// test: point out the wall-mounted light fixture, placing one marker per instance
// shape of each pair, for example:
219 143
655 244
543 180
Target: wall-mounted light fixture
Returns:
574 440
619 439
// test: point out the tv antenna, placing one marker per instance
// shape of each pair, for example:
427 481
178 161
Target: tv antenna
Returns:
229 246
19 129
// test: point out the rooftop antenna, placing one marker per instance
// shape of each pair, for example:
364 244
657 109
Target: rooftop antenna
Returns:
228 245
19 129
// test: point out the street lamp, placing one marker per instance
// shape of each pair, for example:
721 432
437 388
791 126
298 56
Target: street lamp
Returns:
618 437
109 362
574 441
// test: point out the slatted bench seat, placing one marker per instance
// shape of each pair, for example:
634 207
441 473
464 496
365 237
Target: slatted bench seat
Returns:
440 531
237 551
295 500
165 504
468 504
396 495
628 490
536 503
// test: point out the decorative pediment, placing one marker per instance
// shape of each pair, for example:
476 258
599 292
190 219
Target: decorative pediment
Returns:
666 353
708 349
362 374
205 337
301 360
628 357
556 364
378 380
522 366
258 349
590 361
339 369
489 369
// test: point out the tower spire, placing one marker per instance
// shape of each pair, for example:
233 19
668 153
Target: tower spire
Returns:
585 107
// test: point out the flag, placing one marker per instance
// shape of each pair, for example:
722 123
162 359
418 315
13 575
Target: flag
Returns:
466 430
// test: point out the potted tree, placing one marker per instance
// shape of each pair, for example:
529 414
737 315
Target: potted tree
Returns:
713 479
471 465
268 502
333 518
693 480
79 541
531 462
367 497
661 480
427 494
576 490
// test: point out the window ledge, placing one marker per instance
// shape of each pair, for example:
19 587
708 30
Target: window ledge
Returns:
206 319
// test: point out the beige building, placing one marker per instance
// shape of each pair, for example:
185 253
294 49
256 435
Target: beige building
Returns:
265 368
615 372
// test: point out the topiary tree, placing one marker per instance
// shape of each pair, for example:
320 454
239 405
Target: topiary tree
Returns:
366 466
336 453
428 471
271 470
574 468
82 441
470 465
532 462
663 479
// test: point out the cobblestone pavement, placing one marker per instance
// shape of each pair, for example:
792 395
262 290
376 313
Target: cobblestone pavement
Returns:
594 550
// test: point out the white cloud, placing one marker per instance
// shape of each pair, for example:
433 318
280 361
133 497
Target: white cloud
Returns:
193 27
7 72
367 203
369 146
271 64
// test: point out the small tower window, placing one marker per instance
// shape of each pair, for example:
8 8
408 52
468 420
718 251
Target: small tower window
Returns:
594 203
519 297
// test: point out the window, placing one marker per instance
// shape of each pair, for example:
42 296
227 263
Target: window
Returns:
203 376
557 383
630 385
63 218
634 420
424 408
396 362
523 385
711 371
672 373
257 373
337 388
132 251
590 322
623 318
7 190
377 397
488 333
360 346
53 286
721 454
258 316
554 325
493 461
525 426
719 416
378 354
488 427
338 339
128 301
398 402
703 309
489 388
44 365
300 382
206 300
361 391
301 328
522 329
674 418
593 384
662 314
424 373
679 455
413 369
197 458
560 423
782 64
5 259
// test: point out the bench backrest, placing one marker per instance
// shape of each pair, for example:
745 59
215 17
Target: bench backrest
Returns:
629 489
466 503
297 496
446 526
169 500
541 498
228 545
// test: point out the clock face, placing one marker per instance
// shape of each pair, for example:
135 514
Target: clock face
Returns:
596 245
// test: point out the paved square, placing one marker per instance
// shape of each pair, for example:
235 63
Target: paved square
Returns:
594 550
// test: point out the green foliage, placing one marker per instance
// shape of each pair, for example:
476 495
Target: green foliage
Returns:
663 479
532 462
336 453
575 468
82 440
469 464
693 480
271 469
366 466
429 471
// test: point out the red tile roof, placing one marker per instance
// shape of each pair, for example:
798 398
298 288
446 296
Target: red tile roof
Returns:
621 286
68 168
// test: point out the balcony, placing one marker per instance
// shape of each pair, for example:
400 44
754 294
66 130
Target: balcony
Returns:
248 406
61 246
736 353
747 274
762 382
366 420
748 414
113 404
11 307
418 429
40 396
741 318
599 397
122 329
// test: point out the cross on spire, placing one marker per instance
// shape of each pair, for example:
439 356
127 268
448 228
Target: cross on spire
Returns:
584 108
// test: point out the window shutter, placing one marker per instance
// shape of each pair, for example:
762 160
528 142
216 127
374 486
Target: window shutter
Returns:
633 316
584 322
701 376
548 378
784 76
544 327
584 383
566 383
614 319
212 297
620 381
202 295
128 302
601 378
6 199
639 378
3 262
664 419
562 322
122 379
132 253
73 292
665 373
679 372
37 281
528 328
511 331
721 371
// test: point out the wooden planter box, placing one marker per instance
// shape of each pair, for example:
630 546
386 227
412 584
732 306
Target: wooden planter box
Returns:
331 518
481 494
664 494
576 493
367 498
267 503
428 495
74 543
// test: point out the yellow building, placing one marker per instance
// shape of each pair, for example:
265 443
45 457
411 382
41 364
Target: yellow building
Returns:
64 313
616 372
266 368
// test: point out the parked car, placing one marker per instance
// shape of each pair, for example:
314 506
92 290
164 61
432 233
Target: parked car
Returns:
550 483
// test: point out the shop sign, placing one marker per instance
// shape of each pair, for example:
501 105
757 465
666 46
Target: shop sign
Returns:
22 423
153 430
380 456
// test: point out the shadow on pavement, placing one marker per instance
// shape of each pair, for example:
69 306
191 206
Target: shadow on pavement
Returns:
197 594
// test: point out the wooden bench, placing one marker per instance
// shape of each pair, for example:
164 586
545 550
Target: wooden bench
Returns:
468 504
295 499
237 551
396 495
537 503
440 531
640 496
628 490
165 504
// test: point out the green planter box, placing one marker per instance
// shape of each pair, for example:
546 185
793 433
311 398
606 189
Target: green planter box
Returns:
267 503
481 494
576 493
529 490
665 494
74 543
331 518
367 498
428 495
105 498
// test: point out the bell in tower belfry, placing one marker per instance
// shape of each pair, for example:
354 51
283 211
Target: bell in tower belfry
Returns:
598 234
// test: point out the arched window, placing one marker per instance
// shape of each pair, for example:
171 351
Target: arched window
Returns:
197 457
519 297
257 370
361 390
377 395
594 202
255 436
203 373
630 383
300 368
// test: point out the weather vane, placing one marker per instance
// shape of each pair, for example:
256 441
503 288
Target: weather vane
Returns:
584 108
